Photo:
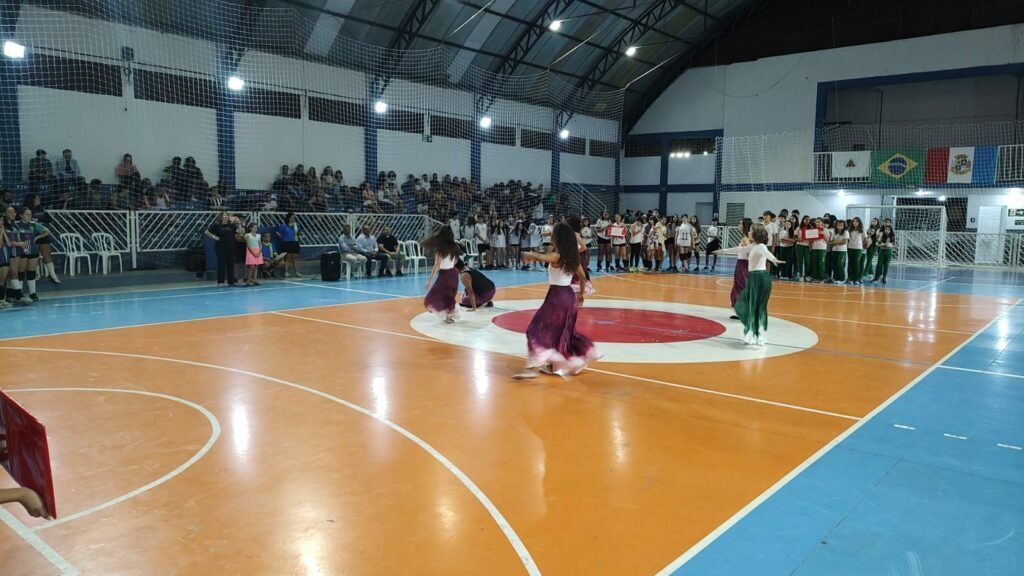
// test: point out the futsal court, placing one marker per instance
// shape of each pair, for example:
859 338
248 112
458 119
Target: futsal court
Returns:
307 427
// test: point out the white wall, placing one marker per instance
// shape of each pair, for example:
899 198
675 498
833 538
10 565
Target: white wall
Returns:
779 94
994 197
504 163
262 145
587 169
814 203
686 203
101 129
340 147
644 170
408 154
645 201
697 169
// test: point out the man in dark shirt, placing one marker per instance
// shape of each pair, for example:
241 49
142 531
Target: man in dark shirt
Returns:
225 231
390 247
479 290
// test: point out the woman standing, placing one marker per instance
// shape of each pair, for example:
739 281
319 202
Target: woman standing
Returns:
740 273
26 249
40 215
289 233
695 224
714 243
225 230
5 266
670 244
752 305
803 250
554 345
636 244
440 298
620 231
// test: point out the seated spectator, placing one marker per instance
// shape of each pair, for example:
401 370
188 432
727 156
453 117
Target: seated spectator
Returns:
348 250
193 176
327 182
366 244
127 172
318 202
268 202
390 247
68 176
339 179
216 201
40 171
117 199
369 199
94 199
271 259
283 180
6 199
297 184
312 182
147 198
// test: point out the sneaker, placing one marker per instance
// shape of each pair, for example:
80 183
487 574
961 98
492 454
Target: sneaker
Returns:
4 305
34 297
526 375
25 300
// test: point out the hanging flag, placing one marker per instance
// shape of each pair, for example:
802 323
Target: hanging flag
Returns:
851 164
898 166
961 165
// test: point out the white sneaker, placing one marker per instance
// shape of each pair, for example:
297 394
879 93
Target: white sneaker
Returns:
4 305
25 300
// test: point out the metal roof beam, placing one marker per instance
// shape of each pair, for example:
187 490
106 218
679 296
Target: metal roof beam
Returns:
634 21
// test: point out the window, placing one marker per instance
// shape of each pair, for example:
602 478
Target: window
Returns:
575 145
175 89
337 111
269 103
451 127
643 149
402 121
503 135
604 149
71 74
536 139
692 145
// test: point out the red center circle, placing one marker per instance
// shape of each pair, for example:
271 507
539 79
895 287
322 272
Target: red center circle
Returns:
625 325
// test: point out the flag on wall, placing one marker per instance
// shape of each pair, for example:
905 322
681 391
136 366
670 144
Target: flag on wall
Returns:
897 166
967 165
851 164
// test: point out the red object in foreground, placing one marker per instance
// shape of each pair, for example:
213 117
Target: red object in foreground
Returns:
29 454
626 325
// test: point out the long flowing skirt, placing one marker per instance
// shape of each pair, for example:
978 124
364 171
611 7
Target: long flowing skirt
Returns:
440 299
752 306
552 337
739 280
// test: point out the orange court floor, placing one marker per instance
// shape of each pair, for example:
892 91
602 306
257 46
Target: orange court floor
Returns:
341 438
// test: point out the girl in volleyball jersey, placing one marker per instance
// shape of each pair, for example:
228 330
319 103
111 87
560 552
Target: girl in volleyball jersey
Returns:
684 242
714 244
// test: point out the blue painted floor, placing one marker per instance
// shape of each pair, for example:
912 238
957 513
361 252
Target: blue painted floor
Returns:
932 485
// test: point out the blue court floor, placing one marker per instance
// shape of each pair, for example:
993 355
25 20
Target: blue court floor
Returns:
931 483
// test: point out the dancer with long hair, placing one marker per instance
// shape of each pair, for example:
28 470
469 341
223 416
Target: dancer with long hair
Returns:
554 345
752 304
739 274
440 298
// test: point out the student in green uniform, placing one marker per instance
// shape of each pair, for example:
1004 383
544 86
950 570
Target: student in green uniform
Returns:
871 247
886 243
856 250
840 243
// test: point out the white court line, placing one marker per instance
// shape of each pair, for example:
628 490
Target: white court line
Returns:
499 519
608 372
215 430
213 292
761 498
930 284
989 372
900 326
954 436
33 540
1010 446
903 427
327 287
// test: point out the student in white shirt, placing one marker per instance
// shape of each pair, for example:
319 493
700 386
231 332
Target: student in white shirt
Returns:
684 242
752 303
856 250
619 231
772 227
714 243
839 242
604 242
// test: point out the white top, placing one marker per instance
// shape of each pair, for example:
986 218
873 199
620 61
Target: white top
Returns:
545 232
636 231
456 229
534 235
856 240
499 239
481 232
684 234
757 254
713 232
822 242
785 235
841 247
602 228
558 277
773 230
448 262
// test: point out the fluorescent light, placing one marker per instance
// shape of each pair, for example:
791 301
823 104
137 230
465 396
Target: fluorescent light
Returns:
922 193
686 154
841 192
555 25
942 198
631 51
705 152
235 83
380 107
13 50
564 134
485 122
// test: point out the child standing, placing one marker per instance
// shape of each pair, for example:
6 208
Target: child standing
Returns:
554 345
871 247
886 243
253 255
840 243
787 248
856 250
803 251
819 251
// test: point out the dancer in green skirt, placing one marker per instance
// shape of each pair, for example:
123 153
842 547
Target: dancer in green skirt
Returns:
886 243
871 247
752 304
856 250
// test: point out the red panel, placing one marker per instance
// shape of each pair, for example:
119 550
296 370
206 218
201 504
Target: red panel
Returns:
936 166
625 325
29 454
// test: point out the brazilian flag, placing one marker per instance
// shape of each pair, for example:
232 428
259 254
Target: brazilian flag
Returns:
905 166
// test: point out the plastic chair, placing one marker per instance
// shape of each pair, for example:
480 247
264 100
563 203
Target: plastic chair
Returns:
469 252
74 250
414 255
105 251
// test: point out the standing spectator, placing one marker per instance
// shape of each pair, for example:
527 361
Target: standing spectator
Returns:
367 245
347 249
392 249
6 199
40 171
225 230
35 203
193 176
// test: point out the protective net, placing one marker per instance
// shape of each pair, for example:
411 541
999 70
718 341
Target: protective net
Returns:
208 105
955 169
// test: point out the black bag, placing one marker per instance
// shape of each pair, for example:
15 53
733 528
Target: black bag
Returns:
330 266
195 260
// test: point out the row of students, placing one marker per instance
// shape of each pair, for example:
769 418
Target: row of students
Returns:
20 242
649 240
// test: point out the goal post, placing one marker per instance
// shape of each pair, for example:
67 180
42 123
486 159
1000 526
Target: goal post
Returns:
920 231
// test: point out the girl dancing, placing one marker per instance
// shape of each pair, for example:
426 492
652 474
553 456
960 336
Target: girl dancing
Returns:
440 298
552 341
752 304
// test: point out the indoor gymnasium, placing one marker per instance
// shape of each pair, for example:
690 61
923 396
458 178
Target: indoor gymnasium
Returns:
461 287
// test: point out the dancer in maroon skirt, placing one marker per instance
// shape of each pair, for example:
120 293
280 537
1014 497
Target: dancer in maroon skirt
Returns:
552 341
739 274
584 250
440 298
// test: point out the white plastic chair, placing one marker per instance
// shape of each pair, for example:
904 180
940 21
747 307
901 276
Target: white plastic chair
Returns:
105 251
74 250
470 254
414 255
